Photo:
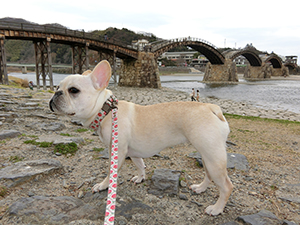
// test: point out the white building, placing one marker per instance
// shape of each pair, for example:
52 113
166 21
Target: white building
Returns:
187 56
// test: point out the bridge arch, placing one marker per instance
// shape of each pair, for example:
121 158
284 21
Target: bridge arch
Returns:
207 49
274 59
251 56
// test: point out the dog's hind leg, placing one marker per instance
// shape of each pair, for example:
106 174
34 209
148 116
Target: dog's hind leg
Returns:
139 163
199 188
218 174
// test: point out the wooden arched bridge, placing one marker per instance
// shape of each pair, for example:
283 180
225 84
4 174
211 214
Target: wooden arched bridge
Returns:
139 67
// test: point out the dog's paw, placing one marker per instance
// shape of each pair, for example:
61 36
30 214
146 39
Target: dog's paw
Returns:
213 210
99 187
198 188
137 179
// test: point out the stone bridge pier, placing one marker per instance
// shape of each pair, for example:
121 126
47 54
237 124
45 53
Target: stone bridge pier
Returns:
266 70
283 71
221 72
142 72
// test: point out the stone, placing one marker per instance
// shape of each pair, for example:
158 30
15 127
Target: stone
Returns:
263 217
54 127
183 197
289 193
133 207
164 181
286 222
30 104
26 170
9 134
234 160
55 139
53 210
47 126
7 102
237 161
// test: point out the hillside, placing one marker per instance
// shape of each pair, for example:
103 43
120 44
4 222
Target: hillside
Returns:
20 51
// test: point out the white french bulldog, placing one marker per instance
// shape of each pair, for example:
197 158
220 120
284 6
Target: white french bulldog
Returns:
146 130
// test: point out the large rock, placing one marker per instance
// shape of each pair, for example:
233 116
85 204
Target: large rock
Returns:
9 134
234 160
164 181
289 193
263 217
53 210
24 171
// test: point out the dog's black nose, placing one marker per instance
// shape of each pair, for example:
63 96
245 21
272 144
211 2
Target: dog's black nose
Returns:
50 105
56 95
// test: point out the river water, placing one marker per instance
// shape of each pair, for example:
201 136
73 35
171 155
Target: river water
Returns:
268 94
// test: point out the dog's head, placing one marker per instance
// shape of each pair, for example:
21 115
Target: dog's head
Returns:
79 96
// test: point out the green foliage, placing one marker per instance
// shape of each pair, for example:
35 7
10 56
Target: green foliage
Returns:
70 148
15 159
18 50
167 62
256 118
80 130
43 144
98 149
3 191
65 134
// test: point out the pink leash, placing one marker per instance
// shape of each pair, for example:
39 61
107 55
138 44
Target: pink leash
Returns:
110 105
113 177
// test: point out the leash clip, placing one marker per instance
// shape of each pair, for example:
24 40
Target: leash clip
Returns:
110 104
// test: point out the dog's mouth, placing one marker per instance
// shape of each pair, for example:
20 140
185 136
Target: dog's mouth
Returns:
56 109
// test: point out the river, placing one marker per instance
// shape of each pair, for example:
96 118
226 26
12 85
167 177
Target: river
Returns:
269 94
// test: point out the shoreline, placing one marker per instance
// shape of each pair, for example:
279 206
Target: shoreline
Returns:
149 96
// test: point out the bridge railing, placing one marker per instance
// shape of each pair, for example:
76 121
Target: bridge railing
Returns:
161 43
52 29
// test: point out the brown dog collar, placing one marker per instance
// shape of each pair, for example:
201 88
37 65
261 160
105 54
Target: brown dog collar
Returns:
109 104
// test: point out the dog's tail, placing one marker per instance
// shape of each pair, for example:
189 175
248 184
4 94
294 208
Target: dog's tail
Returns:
217 111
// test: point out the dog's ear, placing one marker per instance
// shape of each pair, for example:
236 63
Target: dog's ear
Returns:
101 75
87 72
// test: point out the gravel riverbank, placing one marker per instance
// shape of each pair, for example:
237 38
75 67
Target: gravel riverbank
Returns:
268 188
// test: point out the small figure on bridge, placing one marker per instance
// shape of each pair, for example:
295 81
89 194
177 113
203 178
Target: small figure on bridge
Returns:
193 95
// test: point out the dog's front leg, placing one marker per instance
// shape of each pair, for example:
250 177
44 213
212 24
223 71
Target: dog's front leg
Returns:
104 184
139 163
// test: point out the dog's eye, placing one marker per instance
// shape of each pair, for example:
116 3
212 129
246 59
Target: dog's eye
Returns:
73 90
57 88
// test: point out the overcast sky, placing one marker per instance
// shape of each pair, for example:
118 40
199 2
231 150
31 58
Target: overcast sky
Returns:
269 25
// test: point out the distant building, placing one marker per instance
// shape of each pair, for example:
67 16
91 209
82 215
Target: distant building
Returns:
291 59
240 60
186 56
140 44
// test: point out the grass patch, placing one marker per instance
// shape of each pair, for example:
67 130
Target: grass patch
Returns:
3 191
43 144
249 131
256 118
65 134
15 159
70 148
98 149
80 130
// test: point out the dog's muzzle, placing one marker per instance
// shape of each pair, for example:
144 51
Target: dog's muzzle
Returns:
51 103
